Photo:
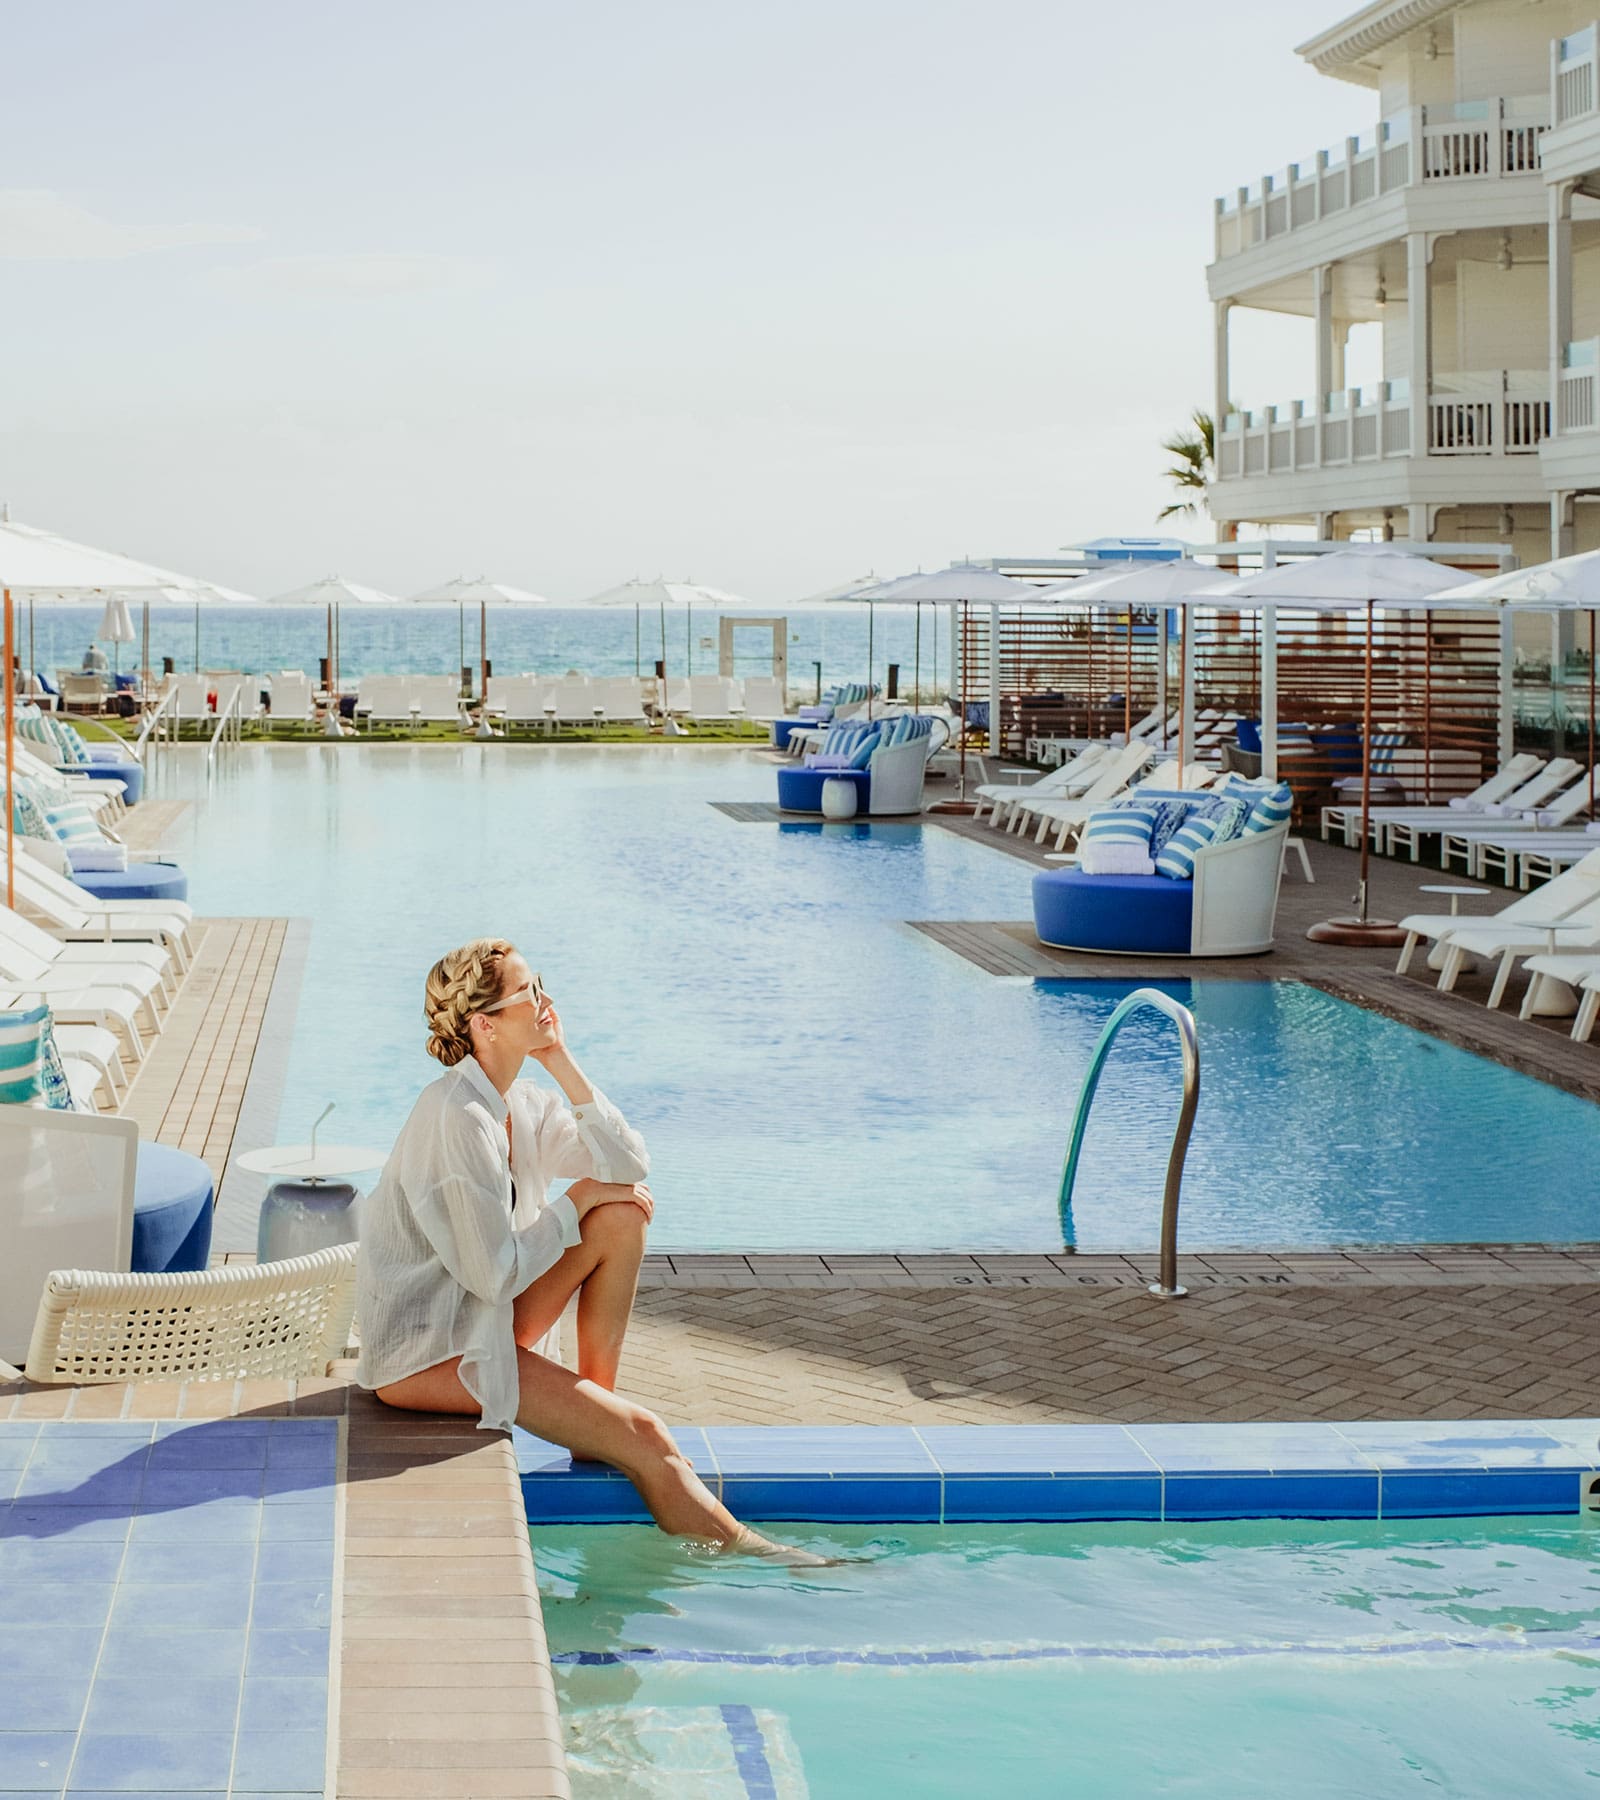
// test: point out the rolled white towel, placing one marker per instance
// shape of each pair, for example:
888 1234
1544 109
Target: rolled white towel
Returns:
1115 859
1592 829
1539 816
1463 803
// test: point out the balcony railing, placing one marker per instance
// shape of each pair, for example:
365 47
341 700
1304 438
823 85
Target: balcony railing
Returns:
1472 140
1500 413
1575 76
1578 391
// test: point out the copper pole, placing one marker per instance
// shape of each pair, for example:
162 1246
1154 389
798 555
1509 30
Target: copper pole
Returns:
1591 713
483 650
1127 683
1366 773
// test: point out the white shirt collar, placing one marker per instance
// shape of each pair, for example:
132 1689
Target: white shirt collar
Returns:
472 1073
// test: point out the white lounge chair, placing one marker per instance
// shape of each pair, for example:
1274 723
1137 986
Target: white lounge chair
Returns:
1056 783
88 958
764 698
1391 831
1018 810
293 701
277 1320
176 916
715 698
1488 846
1506 780
1575 928
50 974
1066 817
1554 900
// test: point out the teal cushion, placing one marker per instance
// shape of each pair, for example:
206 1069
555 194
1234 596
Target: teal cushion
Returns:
22 1055
74 824
862 754
1176 861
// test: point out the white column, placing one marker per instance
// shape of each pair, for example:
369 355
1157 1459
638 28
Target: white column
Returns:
1560 294
955 657
1163 625
1507 666
1269 677
1222 400
1186 709
1322 319
1417 524
994 681
1419 320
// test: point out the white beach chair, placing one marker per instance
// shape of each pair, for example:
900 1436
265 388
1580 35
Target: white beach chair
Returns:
711 697
1066 817
1569 928
574 700
764 698
22 967
1057 783
1520 769
277 1320
173 917
1391 830
434 699
293 701
621 700
526 702
1554 900
89 957
1490 845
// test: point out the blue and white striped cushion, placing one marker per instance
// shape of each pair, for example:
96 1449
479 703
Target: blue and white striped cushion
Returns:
70 747
1270 803
861 755
1176 861
33 725
22 1055
1116 841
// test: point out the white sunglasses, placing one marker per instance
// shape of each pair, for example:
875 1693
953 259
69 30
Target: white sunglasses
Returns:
532 989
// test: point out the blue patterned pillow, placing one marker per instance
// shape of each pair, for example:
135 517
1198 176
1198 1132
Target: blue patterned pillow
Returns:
1176 861
1273 807
1228 816
69 743
28 816
52 1076
21 1055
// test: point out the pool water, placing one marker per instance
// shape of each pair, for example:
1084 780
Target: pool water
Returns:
1232 1661
810 1071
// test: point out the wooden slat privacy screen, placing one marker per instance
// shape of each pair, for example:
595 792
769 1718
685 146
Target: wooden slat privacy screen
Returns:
1435 682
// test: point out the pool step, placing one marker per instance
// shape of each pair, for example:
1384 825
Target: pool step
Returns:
668 1752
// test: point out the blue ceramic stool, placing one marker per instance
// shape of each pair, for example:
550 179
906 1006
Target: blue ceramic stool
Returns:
173 1197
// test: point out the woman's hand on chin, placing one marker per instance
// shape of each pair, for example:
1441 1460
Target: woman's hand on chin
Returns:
552 1040
586 1194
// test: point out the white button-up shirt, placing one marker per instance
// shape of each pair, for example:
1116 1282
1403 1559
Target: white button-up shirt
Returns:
456 1227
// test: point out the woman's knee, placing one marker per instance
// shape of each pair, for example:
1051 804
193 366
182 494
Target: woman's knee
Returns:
615 1226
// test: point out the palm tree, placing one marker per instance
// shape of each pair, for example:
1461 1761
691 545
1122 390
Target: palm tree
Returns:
1196 452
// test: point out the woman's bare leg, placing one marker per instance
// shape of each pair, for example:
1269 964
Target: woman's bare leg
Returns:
603 1271
594 1423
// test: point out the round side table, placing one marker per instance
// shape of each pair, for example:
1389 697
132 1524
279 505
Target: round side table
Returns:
838 799
310 1207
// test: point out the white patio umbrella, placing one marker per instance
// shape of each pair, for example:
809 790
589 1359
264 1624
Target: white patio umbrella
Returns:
1569 584
41 564
332 592
1153 584
116 629
962 585
661 594
1360 578
461 591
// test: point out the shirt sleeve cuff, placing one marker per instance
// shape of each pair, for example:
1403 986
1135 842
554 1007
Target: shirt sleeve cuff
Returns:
567 1217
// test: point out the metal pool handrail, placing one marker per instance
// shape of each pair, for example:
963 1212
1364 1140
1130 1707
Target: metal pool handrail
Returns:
1167 1287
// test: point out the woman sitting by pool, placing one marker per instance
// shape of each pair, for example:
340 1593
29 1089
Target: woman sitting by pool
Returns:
466 1265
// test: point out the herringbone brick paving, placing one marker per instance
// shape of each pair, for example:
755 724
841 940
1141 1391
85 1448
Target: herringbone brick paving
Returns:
754 1356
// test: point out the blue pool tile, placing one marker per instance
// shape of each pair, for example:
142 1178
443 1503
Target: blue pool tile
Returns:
1034 1449
1414 1494
202 1449
193 1606
582 1500
49 1652
210 1522
190 1486
1335 1495
280 1761
311 1560
1436 1444
283 1702
1249 1448
290 1524
35 1702
16 1445
81 1524
181 1563
819 1450
870 1499
133 1703
57 1559
61 1602
145 1762
288 1653
973 1497
172 1654
535 1455
83 1430
34 1761
302 1443
296 1483
292 1606
214 1430
116 1486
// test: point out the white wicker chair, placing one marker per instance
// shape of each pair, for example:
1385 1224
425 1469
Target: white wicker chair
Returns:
282 1319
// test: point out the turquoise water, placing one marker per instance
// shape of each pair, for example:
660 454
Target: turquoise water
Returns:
383 640
1231 1662
812 1073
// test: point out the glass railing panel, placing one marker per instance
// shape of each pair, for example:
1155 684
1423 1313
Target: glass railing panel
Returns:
1336 403
1533 108
1398 392
1578 45
1459 112
1581 355
1396 129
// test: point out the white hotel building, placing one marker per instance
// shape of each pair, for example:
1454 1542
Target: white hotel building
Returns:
1465 222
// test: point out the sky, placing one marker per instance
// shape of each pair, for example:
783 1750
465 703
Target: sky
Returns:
759 293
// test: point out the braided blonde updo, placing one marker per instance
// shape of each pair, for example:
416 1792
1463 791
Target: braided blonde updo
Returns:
460 984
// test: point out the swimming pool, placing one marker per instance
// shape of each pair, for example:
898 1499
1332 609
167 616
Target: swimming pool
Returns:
1114 1662
811 1072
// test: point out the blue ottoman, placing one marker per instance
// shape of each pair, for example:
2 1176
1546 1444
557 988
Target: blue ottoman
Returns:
1126 913
800 790
139 881
130 774
172 1205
